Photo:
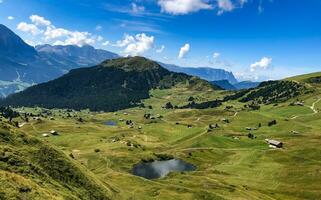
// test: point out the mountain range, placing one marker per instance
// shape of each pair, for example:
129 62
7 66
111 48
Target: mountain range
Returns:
206 73
226 85
22 65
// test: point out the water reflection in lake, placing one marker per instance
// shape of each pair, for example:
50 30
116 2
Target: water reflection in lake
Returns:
111 123
159 169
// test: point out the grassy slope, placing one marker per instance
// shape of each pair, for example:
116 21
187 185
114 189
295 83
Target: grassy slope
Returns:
229 164
301 78
31 169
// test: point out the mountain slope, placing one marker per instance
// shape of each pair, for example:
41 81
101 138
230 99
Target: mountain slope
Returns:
224 84
31 169
13 47
270 92
112 85
205 73
246 85
20 62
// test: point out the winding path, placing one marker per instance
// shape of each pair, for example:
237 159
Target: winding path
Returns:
313 106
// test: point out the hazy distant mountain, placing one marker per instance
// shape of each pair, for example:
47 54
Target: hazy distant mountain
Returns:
71 56
224 84
209 74
22 65
112 85
246 85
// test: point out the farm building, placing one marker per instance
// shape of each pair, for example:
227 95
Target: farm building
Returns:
53 132
274 143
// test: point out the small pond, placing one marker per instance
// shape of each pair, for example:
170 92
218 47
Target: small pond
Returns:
111 123
159 169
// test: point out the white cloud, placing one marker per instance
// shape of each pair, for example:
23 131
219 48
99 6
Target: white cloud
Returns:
57 36
138 45
29 28
160 50
181 7
216 55
263 64
106 43
100 38
39 21
137 9
79 39
224 6
10 18
127 40
183 51
228 5
53 33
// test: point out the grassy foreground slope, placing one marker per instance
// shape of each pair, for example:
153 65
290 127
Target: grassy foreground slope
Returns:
31 169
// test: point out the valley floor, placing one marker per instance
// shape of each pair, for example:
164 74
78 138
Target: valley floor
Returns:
230 165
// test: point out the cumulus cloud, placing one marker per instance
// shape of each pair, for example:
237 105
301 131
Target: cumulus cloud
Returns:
57 36
229 5
184 50
10 18
39 21
139 44
160 50
66 37
29 28
181 7
263 64
53 33
127 40
224 6
216 55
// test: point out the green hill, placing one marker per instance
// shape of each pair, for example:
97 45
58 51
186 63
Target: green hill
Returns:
112 85
270 92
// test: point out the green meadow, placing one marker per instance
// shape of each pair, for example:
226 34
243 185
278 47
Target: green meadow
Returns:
230 165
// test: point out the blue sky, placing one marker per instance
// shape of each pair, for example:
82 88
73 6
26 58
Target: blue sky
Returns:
255 39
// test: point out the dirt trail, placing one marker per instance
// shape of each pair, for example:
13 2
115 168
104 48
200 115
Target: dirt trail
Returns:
313 106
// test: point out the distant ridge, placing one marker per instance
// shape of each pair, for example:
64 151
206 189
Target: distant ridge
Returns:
246 85
206 73
225 84
72 56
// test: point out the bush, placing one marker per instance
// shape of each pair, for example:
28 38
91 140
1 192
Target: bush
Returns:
272 123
